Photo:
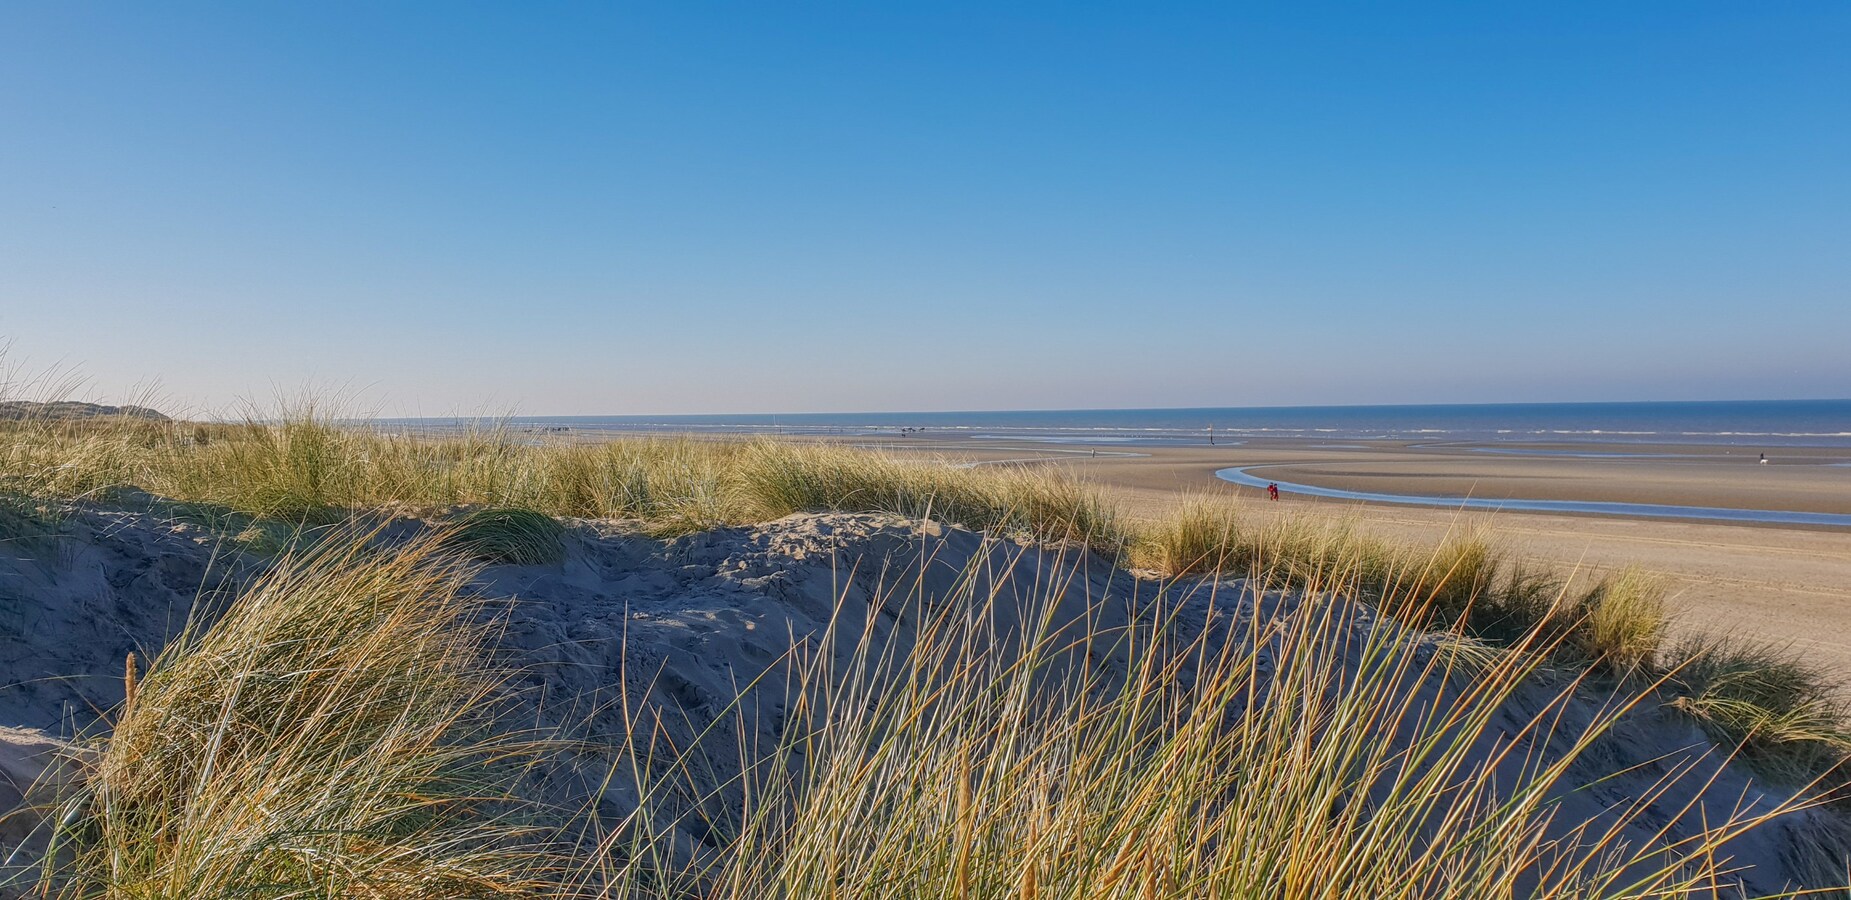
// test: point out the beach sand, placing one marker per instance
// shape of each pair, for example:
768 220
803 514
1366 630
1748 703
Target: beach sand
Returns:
1790 585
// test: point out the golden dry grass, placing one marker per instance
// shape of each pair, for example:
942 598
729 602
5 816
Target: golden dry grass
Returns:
332 734
969 784
962 768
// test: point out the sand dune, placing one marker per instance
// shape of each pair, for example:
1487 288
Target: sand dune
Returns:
670 630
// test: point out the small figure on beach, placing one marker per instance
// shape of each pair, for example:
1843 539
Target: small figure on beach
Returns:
1272 491
1764 459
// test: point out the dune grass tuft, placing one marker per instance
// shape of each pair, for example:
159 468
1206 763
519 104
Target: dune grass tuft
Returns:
332 735
1457 576
1202 534
1625 621
1783 712
509 536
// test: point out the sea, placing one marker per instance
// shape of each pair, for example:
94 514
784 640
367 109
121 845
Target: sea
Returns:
1743 423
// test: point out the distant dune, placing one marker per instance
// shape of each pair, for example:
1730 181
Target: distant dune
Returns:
71 409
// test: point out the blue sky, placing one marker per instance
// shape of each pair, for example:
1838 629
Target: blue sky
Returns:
690 207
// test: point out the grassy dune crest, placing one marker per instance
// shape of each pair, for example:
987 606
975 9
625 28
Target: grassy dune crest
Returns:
335 735
1310 760
306 469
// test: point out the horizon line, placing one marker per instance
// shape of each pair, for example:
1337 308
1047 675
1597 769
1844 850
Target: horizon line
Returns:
1111 409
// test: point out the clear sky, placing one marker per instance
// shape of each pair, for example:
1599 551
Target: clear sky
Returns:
690 207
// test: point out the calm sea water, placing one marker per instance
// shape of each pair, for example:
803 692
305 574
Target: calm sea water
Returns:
1756 423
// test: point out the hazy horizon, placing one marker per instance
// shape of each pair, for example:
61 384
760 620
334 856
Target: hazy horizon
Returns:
65 384
668 209
1113 409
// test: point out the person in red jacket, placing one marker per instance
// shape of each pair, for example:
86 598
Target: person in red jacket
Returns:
1272 492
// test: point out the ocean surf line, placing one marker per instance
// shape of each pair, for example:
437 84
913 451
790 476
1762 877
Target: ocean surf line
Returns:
1242 475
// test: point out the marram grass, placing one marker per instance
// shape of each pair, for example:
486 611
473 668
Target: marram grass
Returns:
1201 534
308 470
332 734
167 831
1787 715
324 740
1313 760
509 535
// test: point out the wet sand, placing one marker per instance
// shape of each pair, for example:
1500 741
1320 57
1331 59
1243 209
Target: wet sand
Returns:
1780 583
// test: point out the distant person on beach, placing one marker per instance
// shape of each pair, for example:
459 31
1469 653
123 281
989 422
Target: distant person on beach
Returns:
1764 459
1272 492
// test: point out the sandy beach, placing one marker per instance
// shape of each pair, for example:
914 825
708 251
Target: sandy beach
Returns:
1787 584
